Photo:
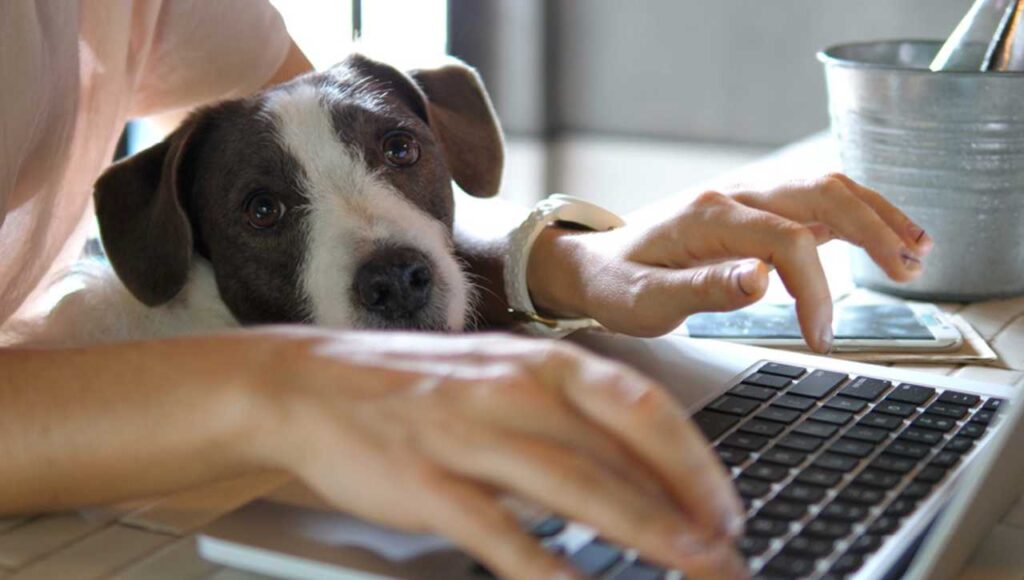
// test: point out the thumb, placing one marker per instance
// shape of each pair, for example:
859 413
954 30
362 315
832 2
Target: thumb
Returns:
720 287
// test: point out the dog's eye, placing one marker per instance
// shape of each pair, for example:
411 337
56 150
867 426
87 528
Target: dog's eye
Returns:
263 210
401 149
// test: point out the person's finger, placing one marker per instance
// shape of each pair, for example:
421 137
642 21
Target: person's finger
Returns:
715 288
831 202
643 415
912 234
573 485
474 519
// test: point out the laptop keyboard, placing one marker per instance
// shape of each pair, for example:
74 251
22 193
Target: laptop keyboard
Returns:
828 466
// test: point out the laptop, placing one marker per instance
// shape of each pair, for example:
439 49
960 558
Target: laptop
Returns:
847 470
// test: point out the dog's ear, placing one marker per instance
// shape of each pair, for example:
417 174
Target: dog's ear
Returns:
453 102
460 113
145 232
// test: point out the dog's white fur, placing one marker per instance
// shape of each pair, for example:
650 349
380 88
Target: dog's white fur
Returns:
351 211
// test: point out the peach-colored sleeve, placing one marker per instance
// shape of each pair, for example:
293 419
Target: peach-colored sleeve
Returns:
205 50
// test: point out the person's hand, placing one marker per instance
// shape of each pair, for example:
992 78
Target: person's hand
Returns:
427 433
714 254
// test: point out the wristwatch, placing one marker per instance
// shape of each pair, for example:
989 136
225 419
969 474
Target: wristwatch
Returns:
554 209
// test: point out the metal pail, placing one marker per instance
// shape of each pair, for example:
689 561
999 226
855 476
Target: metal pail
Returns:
948 149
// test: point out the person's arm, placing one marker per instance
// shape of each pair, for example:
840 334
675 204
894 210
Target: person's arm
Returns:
415 431
712 252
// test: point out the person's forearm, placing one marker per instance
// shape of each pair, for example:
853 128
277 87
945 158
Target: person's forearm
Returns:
94 425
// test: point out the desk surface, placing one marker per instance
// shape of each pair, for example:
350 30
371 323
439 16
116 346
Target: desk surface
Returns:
154 538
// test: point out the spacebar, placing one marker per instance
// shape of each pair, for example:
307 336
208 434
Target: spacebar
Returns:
713 424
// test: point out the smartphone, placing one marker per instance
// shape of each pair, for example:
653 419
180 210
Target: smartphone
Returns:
857 327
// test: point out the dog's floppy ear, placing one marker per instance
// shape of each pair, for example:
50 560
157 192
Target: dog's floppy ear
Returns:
452 100
145 232
461 114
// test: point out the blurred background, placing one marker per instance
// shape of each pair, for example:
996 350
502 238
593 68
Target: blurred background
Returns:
624 101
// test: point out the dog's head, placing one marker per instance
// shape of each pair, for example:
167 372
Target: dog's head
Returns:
327 199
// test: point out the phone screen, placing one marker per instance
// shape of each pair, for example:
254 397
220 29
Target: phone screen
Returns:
867 321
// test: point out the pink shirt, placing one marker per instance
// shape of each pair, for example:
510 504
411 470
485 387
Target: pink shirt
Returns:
71 73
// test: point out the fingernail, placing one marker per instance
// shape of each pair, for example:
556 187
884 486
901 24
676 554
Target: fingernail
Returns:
825 340
749 278
687 544
565 574
735 524
910 262
920 237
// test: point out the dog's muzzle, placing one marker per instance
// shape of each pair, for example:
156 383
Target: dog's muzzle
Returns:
394 283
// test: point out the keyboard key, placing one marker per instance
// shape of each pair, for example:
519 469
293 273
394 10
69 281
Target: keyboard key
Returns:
713 424
766 527
731 455
956 398
994 404
640 571
865 388
913 394
770 381
947 410
862 495
799 443
778 414
783 510
972 430
766 472
809 546
764 428
815 429
877 478
842 403
881 421
901 506
984 417
744 441
959 444
817 476
595 557
800 492
847 564
852 447
733 405
916 490
787 457
818 384
894 463
831 529
931 474
884 526
548 527
751 546
896 408
934 422
794 402
866 544
869 434
908 449
836 462
926 436
945 459
752 488
752 392
791 566
846 512
782 370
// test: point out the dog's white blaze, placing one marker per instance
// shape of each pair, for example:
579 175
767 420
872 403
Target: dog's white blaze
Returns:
351 211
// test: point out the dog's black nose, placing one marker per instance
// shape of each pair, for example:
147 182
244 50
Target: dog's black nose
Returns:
394 283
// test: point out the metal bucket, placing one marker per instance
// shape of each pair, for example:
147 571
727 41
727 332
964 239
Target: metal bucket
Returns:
948 149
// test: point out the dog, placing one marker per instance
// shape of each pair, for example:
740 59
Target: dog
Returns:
325 200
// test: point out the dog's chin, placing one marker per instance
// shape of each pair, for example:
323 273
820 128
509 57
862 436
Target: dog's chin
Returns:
434 318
